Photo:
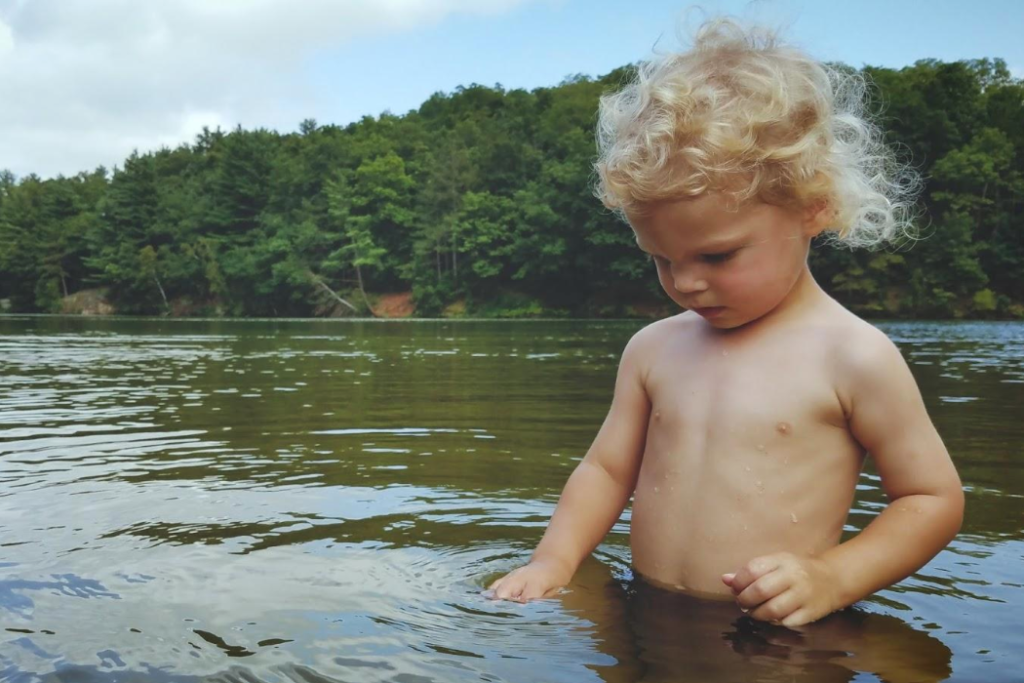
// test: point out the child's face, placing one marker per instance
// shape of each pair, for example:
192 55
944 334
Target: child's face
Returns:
730 267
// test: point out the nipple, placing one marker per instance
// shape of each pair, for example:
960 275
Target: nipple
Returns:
783 428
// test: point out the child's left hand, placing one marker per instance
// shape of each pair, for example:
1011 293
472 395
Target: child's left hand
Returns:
785 588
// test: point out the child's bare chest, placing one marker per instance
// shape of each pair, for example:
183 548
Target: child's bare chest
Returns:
720 409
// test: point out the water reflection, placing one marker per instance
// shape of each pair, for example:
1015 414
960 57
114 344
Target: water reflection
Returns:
655 635
285 500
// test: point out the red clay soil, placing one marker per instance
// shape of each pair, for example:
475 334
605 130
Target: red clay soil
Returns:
394 305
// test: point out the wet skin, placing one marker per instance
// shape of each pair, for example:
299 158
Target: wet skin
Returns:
746 451
740 426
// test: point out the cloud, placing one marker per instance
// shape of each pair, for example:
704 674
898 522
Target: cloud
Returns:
83 82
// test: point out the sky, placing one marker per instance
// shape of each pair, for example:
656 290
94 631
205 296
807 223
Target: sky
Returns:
85 82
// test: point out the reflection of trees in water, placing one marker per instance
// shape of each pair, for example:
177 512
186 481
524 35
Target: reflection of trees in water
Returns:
657 635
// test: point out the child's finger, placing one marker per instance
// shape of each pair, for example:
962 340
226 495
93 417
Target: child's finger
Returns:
530 591
507 587
727 579
761 591
798 618
777 608
752 571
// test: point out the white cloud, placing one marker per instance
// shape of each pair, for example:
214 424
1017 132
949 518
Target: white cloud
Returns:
6 39
83 82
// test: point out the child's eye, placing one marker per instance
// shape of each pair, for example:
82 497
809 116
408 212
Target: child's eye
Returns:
718 258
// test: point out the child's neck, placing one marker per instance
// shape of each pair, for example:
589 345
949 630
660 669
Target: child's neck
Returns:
805 295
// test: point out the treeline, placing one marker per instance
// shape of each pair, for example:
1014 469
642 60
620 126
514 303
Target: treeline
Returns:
479 203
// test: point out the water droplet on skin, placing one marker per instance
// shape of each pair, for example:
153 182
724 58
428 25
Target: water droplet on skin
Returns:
657 414
783 428
655 489
792 517
760 446
747 468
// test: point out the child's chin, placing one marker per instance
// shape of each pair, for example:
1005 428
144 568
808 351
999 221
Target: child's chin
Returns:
722 319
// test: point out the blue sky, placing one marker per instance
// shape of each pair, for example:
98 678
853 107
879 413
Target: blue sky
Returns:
86 81
538 44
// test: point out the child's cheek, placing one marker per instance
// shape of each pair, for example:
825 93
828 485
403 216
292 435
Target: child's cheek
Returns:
751 286
743 282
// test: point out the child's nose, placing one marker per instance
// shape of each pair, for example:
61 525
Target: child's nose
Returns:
688 281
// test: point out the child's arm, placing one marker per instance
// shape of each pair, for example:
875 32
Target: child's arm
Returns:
887 416
598 489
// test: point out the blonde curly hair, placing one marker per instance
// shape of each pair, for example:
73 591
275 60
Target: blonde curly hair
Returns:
742 114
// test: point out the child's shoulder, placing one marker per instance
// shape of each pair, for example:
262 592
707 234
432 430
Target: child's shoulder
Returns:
662 331
855 340
859 353
651 341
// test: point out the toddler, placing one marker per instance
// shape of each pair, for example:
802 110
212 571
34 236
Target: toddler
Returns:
740 426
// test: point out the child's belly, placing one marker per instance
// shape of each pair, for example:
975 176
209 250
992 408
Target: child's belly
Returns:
705 507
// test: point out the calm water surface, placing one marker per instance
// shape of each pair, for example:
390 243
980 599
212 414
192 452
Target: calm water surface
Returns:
325 500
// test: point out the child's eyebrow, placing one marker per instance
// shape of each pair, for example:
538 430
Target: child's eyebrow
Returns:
725 244
718 246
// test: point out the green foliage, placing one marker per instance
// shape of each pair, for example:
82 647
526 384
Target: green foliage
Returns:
480 203
985 301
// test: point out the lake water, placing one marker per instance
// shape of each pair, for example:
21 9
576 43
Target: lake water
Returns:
324 501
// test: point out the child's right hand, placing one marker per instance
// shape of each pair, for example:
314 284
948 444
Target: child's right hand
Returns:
539 579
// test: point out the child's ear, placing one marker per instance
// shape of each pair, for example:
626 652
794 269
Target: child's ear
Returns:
817 217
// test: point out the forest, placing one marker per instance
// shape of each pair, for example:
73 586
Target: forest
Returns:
479 203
